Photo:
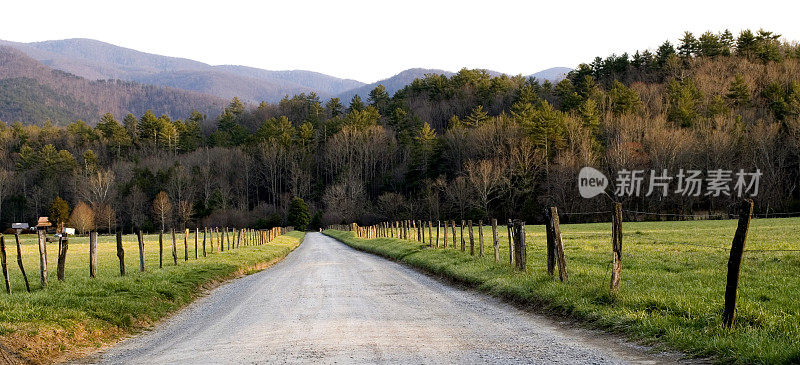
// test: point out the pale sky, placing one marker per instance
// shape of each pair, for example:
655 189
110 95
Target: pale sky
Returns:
372 40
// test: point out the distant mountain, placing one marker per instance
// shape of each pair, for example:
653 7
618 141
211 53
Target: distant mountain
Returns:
392 84
554 74
31 92
399 81
97 60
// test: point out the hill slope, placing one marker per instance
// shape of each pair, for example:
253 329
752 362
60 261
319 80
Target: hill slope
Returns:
32 92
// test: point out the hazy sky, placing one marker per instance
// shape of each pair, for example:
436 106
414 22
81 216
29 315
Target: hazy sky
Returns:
371 40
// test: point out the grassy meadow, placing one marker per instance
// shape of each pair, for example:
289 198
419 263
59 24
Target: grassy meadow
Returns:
673 281
74 317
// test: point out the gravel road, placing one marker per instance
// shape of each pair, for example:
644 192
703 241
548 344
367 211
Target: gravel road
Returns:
329 303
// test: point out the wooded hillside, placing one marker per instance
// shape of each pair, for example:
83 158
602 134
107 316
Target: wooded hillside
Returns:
466 146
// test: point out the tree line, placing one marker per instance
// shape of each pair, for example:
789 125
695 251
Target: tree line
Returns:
467 146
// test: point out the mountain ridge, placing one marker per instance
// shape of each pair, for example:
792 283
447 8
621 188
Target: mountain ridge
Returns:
33 93
98 60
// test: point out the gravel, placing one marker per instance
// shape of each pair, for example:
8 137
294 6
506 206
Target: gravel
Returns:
329 303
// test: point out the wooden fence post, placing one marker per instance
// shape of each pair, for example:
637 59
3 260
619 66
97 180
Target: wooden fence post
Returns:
421 228
616 247
471 239
519 241
186 245
430 233
735 262
141 251
120 254
551 242
19 262
480 238
161 249
93 254
42 256
438 227
174 247
445 233
63 246
4 263
205 231
510 242
559 245
495 242
453 230
196 238
463 242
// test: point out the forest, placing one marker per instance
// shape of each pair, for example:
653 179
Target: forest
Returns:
467 146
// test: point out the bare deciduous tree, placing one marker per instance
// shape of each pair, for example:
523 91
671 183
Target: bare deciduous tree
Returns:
162 208
486 178
185 212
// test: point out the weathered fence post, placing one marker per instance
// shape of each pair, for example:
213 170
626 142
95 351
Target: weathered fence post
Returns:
735 262
519 241
186 245
205 231
496 243
480 238
63 246
453 226
4 263
141 251
510 242
438 227
19 262
421 228
120 254
559 245
42 256
174 247
463 242
616 247
430 233
161 249
471 239
445 233
93 254
196 238
221 240
551 242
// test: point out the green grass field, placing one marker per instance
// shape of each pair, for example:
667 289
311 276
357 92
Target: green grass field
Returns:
76 316
672 284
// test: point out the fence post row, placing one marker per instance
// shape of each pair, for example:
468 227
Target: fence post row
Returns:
415 230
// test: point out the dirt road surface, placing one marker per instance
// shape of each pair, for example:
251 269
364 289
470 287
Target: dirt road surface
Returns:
329 303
